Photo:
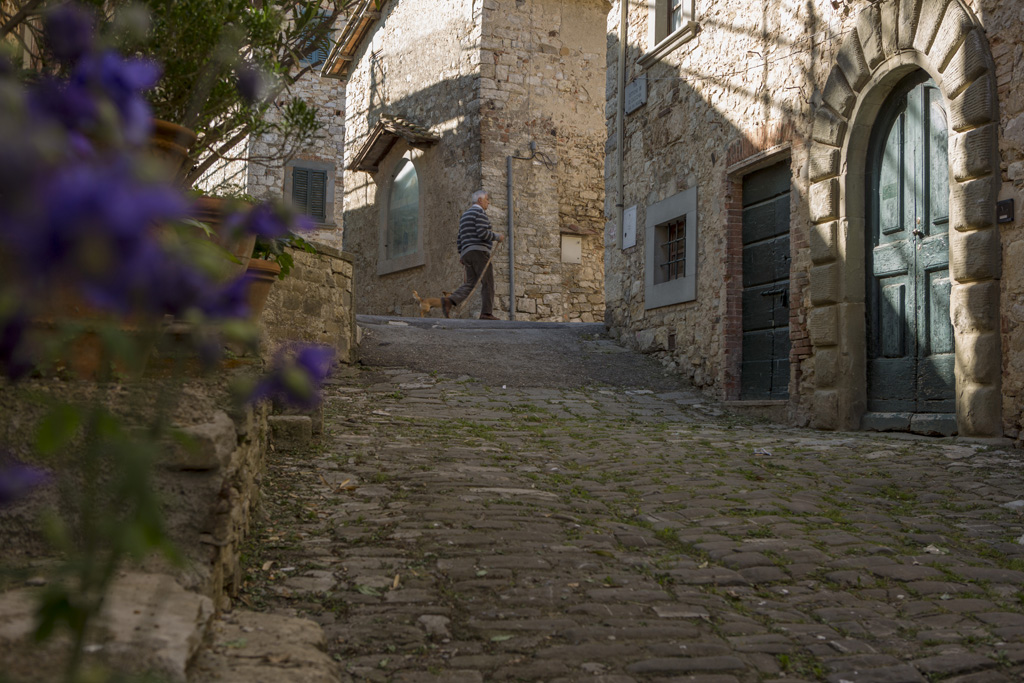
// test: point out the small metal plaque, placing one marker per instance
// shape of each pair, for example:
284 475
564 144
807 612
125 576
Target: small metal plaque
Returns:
636 94
1004 211
629 227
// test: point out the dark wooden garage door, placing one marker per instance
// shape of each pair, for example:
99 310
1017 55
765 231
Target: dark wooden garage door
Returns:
765 370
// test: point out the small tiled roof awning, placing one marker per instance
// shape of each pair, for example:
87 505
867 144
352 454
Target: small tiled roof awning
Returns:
385 133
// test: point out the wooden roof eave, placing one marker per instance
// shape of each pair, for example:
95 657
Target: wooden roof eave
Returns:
355 30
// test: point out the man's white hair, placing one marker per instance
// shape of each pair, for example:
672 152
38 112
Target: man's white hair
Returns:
478 195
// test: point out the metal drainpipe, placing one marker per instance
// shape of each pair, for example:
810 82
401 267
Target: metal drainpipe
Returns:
620 114
511 232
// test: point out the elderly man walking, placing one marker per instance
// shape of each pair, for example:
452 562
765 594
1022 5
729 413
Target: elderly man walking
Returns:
474 244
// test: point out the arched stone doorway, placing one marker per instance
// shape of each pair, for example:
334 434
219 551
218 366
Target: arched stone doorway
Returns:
891 40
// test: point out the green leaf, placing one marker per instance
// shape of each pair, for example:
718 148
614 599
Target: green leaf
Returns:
367 590
501 638
57 429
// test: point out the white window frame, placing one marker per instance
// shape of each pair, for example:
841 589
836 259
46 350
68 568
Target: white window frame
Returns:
680 289
387 173
309 164
660 40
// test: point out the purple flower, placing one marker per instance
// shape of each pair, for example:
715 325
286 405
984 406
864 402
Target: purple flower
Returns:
69 32
316 361
122 81
250 82
295 376
265 221
17 479
227 301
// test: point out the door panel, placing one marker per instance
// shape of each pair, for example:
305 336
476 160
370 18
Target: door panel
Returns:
910 336
764 372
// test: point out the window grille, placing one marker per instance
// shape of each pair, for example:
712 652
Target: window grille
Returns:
672 250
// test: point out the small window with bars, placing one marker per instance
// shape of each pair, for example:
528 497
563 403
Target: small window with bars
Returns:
671 250
309 192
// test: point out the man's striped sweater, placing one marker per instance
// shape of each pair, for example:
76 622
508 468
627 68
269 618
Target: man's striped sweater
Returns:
474 231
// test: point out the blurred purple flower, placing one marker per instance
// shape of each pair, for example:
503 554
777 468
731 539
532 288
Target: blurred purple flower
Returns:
265 221
316 361
123 81
295 376
250 82
71 105
17 479
69 32
227 301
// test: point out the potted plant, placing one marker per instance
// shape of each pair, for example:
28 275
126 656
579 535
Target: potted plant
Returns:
225 65
271 260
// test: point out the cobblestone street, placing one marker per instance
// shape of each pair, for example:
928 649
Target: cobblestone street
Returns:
451 529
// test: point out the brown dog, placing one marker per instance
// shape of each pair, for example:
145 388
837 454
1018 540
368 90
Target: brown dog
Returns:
428 303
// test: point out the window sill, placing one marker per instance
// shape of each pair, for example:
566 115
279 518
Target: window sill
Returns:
668 44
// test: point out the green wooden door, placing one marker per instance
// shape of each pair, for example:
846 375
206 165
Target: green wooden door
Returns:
764 372
910 337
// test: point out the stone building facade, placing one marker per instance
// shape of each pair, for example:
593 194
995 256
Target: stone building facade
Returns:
439 95
265 173
809 205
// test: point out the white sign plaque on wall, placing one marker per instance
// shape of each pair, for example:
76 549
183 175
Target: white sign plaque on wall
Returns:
629 227
636 94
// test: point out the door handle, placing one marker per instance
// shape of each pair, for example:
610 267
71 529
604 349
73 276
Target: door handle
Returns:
773 292
917 233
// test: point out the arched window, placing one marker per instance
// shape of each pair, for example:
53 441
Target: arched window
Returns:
403 212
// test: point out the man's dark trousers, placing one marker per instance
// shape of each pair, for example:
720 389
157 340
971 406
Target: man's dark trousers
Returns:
476 262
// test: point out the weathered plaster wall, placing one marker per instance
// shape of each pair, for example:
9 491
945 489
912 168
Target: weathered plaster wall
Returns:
420 62
751 81
542 81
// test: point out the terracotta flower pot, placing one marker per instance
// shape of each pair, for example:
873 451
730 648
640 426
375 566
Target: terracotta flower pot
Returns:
212 211
261 276
170 145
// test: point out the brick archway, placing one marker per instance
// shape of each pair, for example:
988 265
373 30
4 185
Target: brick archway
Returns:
891 39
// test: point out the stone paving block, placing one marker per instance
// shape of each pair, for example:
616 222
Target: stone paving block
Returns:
290 431
670 665
948 665
903 673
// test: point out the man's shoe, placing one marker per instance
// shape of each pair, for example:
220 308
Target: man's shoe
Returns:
446 306
488 317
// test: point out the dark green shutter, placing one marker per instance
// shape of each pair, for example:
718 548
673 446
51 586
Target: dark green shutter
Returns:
300 189
318 195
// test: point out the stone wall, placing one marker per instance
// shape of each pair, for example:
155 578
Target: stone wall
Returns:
541 82
210 489
313 304
745 92
489 77
419 62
